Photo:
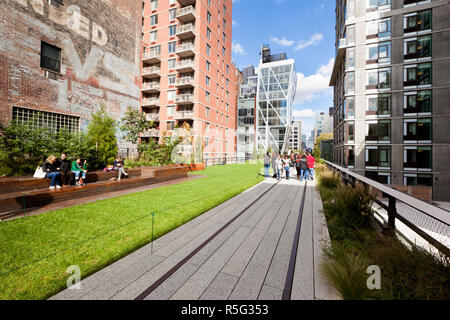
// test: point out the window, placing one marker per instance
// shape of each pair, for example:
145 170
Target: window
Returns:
350 82
417 48
207 112
208 33
418 180
351 131
417 158
209 3
208 17
154 19
170 125
207 80
350 35
171 79
172 30
153 35
417 130
207 95
417 74
351 157
224 37
224 24
172 14
381 177
378 130
378 157
379 29
170 95
208 65
224 10
379 53
208 49
172 46
417 102
170 110
172 63
154 4
379 104
50 57
350 59
378 79
223 51
378 4
417 21
43 119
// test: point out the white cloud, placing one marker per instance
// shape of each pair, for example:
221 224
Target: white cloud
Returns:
238 49
315 85
234 23
307 113
283 41
313 41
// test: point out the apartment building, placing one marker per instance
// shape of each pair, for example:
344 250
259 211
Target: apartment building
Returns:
296 136
324 124
187 74
391 92
247 113
61 59
277 83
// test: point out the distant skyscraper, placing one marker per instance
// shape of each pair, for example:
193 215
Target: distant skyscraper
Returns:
296 136
277 82
246 113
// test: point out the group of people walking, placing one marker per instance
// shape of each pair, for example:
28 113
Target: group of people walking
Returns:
61 172
282 165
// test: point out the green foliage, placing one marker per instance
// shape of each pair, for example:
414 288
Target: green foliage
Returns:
134 123
156 154
346 270
24 146
102 135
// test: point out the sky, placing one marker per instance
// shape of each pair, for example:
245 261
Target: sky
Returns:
305 31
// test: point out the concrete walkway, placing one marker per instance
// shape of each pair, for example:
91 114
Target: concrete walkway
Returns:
248 260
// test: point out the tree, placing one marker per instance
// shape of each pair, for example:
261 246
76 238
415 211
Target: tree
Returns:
134 123
102 135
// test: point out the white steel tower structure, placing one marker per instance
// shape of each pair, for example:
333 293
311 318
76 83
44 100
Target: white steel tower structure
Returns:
277 82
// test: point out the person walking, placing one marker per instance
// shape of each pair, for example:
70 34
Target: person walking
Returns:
304 172
266 164
311 164
286 166
274 164
119 167
64 168
51 172
297 165
79 168
279 164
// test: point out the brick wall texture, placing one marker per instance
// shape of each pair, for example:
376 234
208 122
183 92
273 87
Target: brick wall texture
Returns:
100 42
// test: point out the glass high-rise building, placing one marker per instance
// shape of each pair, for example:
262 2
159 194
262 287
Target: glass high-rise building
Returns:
277 82
391 93
246 113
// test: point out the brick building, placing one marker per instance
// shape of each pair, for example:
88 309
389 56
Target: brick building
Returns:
187 72
65 58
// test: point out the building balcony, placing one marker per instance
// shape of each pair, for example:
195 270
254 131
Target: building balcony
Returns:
187 98
185 82
182 115
150 133
184 3
185 66
186 14
151 56
150 87
186 31
185 49
151 72
152 116
150 102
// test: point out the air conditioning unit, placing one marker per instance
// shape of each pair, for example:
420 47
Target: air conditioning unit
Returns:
50 75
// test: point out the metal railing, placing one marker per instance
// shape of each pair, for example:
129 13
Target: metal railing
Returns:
418 218
224 160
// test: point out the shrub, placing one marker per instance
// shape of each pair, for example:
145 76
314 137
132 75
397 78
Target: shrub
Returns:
102 135
328 179
346 270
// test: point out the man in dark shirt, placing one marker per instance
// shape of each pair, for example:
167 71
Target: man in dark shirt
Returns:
63 167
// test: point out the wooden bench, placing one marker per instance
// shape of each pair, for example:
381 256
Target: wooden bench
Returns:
14 202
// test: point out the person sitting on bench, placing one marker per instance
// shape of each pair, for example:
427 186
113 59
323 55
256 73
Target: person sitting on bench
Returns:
63 166
119 167
79 168
51 172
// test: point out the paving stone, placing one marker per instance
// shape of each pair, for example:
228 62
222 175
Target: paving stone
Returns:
270 293
220 288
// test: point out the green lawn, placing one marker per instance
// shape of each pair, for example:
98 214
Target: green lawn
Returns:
36 251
